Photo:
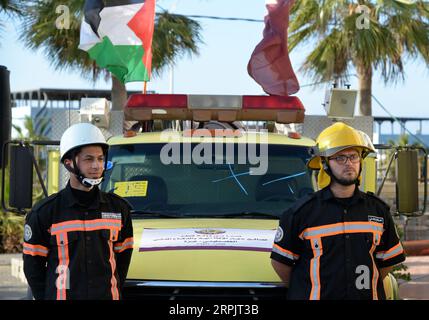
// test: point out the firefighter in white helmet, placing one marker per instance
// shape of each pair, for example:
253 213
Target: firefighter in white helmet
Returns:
73 140
78 242
339 242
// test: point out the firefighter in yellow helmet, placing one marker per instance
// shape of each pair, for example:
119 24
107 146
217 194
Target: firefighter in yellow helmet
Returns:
333 140
339 242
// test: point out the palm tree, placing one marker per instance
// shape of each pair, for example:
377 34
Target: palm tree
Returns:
31 133
174 35
38 31
10 5
395 29
10 8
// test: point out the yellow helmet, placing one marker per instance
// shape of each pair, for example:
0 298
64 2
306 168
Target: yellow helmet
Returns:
336 138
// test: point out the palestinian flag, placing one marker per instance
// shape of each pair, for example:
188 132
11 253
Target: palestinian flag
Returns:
117 34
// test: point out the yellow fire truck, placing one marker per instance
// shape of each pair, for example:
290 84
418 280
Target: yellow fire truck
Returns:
207 193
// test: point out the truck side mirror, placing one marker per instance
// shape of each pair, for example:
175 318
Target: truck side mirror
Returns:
21 177
407 181
22 161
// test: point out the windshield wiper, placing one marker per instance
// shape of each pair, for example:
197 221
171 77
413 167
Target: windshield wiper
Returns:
161 214
176 214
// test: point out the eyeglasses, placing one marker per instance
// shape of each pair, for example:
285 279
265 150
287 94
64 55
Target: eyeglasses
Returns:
354 158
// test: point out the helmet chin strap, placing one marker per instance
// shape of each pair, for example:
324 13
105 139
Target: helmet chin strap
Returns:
87 182
90 182
333 177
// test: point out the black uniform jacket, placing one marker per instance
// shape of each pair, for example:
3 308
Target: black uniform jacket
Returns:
336 247
74 250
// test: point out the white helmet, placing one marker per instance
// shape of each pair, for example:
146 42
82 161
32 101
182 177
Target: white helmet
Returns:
79 135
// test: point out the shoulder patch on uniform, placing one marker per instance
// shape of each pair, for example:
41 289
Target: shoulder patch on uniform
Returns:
28 233
44 201
279 235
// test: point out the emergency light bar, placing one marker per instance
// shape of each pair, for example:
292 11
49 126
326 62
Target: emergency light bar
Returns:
281 109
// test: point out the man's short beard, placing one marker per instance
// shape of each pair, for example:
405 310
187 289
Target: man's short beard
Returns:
345 182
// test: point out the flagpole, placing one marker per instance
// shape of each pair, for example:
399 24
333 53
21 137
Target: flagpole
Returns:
144 87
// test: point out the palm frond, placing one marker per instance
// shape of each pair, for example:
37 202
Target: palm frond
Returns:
329 59
39 31
396 30
12 7
174 35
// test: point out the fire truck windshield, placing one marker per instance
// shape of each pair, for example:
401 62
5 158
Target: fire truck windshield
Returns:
208 180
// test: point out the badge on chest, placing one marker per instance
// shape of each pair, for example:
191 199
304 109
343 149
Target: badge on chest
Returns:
111 215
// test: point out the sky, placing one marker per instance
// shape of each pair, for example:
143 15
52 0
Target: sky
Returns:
221 66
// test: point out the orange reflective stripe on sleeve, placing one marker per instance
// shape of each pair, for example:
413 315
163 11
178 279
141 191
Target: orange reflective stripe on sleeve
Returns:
126 244
285 253
391 253
35 250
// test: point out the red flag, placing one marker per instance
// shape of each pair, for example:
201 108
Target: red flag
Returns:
269 64
143 25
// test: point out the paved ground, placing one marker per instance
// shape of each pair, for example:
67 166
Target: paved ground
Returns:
13 288
418 287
